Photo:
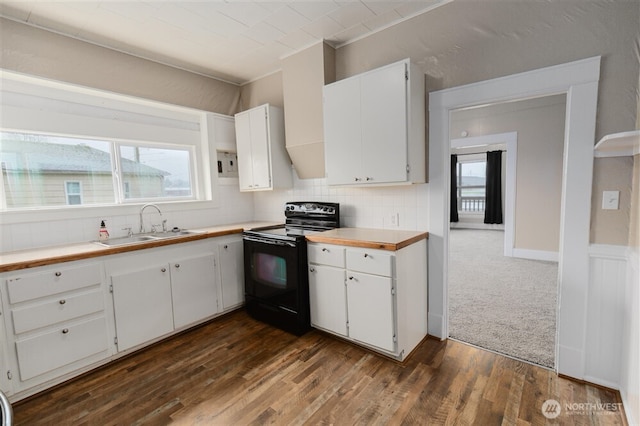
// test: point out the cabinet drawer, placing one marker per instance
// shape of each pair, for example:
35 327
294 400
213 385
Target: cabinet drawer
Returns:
53 281
55 311
65 345
326 254
375 262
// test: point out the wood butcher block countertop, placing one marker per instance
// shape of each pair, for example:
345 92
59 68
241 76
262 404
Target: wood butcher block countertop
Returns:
384 239
31 258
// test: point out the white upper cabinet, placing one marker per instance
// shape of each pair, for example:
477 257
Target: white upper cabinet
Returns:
263 163
374 126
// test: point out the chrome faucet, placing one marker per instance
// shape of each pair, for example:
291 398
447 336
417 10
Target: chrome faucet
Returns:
142 230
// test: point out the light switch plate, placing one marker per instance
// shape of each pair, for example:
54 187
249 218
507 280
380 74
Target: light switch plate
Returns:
610 200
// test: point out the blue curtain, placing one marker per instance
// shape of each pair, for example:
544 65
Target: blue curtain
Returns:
493 196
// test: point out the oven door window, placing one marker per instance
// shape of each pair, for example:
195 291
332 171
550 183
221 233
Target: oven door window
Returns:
270 270
271 273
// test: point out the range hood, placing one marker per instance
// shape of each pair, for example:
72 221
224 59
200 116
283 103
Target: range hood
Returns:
303 76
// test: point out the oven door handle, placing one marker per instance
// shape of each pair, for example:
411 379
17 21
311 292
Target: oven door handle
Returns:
269 241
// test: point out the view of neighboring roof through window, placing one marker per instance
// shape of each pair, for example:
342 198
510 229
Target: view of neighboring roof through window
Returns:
55 171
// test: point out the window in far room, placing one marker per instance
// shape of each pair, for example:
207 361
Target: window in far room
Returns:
471 176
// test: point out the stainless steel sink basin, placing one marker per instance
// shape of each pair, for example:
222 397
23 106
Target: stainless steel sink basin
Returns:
144 238
173 234
123 241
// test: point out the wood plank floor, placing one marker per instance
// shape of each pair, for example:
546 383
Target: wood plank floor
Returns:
236 371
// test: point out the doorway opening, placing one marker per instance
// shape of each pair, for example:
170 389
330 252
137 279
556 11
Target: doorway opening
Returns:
579 81
496 301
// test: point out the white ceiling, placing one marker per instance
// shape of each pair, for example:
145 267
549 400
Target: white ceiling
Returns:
234 40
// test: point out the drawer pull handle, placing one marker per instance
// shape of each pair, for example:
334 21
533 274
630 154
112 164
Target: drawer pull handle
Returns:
163 270
366 255
65 330
177 265
325 249
62 302
352 278
58 274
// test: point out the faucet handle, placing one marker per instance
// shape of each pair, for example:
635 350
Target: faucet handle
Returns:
164 225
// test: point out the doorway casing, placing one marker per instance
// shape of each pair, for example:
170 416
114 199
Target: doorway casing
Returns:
511 141
579 81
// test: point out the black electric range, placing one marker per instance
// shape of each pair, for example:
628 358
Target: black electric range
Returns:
275 263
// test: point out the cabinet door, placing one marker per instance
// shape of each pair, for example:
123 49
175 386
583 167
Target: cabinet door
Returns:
142 303
370 304
243 145
384 124
342 132
193 289
64 345
260 148
232 273
327 298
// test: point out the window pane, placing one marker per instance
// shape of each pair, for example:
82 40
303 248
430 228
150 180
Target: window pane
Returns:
36 167
471 186
155 172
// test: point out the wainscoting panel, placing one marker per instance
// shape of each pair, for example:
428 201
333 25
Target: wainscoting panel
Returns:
630 365
605 314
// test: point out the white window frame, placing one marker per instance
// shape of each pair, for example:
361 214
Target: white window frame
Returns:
67 193
78 111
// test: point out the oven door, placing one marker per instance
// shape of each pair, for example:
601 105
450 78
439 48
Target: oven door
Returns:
271 271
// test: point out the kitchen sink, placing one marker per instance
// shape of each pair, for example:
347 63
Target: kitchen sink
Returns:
144 238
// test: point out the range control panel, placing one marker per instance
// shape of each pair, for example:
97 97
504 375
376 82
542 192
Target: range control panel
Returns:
304 208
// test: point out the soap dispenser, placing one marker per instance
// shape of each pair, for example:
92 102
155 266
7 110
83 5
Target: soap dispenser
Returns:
103 234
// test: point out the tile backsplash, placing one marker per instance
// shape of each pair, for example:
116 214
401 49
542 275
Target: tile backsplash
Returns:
392 207
373 207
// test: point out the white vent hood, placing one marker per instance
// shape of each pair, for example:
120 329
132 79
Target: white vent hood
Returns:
303 76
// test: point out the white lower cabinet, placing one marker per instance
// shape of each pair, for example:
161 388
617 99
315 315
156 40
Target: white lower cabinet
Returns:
59 321
328 298
371 305
231 255
179 290
193 289
56 322
376 298
142 304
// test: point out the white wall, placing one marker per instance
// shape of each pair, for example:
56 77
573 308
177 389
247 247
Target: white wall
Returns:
359 207
234 207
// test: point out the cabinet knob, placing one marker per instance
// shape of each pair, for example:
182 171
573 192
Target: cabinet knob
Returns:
62 302
312 270
369 179
366 255
65 330
352 278
57 274
177 265
163 270
226 246
325 249
357 179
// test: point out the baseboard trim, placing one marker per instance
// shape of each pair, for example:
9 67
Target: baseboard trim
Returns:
549 256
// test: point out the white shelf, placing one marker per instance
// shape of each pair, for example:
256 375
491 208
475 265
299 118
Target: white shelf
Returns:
619 145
